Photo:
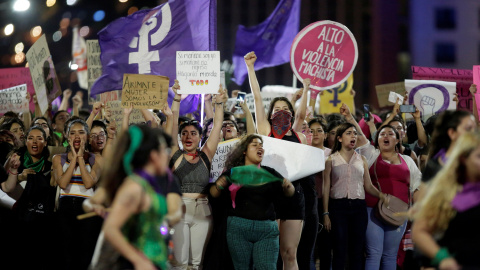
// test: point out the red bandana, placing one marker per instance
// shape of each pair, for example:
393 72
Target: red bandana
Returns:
281 123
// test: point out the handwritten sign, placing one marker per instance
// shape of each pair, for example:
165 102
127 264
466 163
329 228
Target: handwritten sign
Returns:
331 100
43 73
94 67
278 155
144 91
383 92
326 52
394 97
10 77
42 70
14 99
110 96
220 157
431 97
117 114
463 78
198 72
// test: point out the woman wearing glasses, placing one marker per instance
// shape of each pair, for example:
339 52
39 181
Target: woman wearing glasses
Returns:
192 166
52 138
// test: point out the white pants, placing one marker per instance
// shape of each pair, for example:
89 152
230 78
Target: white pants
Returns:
192 234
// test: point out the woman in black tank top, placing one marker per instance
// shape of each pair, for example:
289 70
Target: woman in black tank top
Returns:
192 166
282 123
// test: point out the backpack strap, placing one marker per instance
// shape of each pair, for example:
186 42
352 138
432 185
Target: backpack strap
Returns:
174 158
205 159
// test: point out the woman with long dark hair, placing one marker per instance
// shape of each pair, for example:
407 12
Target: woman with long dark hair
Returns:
449 126
52 138
76 173
139 202
346 178
252 233
192 166
297 236
33 211
394 174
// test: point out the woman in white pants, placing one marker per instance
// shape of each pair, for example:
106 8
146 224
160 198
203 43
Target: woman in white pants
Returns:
192 166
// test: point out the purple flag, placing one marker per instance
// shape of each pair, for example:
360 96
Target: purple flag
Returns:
146 41
271 40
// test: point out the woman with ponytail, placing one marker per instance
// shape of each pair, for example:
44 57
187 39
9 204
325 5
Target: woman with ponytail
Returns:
139 202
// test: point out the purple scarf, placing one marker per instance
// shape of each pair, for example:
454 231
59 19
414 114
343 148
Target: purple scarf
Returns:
468 198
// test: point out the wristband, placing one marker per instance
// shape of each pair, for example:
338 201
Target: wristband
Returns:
12 173
219 188
177 99
218 103
440 256
326 214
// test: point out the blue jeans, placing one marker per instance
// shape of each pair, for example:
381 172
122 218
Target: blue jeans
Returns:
382 242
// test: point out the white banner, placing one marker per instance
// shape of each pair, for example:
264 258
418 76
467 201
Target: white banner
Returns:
198 72
218 161
431 97
14 99
293 161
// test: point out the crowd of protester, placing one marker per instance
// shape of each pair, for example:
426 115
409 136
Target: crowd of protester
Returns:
151 204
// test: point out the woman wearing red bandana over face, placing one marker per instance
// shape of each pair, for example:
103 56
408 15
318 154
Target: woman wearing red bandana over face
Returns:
282 123
192 166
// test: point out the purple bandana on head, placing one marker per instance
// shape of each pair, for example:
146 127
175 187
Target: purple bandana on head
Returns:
281 123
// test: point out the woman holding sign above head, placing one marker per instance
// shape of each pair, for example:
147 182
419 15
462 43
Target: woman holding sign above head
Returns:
281 123
394 174
192 166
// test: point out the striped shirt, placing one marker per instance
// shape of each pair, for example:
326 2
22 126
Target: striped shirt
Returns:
347 178
76 188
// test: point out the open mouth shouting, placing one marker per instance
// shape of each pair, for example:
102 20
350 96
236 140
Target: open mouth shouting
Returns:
35 148
386 142
188 143
260 153
353 142
76 142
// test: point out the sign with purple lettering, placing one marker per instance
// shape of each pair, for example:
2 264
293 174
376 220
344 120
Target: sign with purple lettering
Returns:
431 97
326 53
462 77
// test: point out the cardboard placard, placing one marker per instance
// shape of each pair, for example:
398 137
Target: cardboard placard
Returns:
431 97
383 91
14 99
10 77
326 52
462 77
220 157
42 70
198 72
279 155
331 100
117 114
144 91
94 67
55 150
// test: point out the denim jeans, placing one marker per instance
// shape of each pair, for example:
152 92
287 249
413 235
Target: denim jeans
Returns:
382 243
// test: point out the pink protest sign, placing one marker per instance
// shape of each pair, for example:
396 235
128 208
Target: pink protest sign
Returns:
10 77
476 80
326 52
463 78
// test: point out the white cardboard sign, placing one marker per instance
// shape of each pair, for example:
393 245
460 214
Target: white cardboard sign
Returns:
218 160
292 160
198 72
431 97
14 99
